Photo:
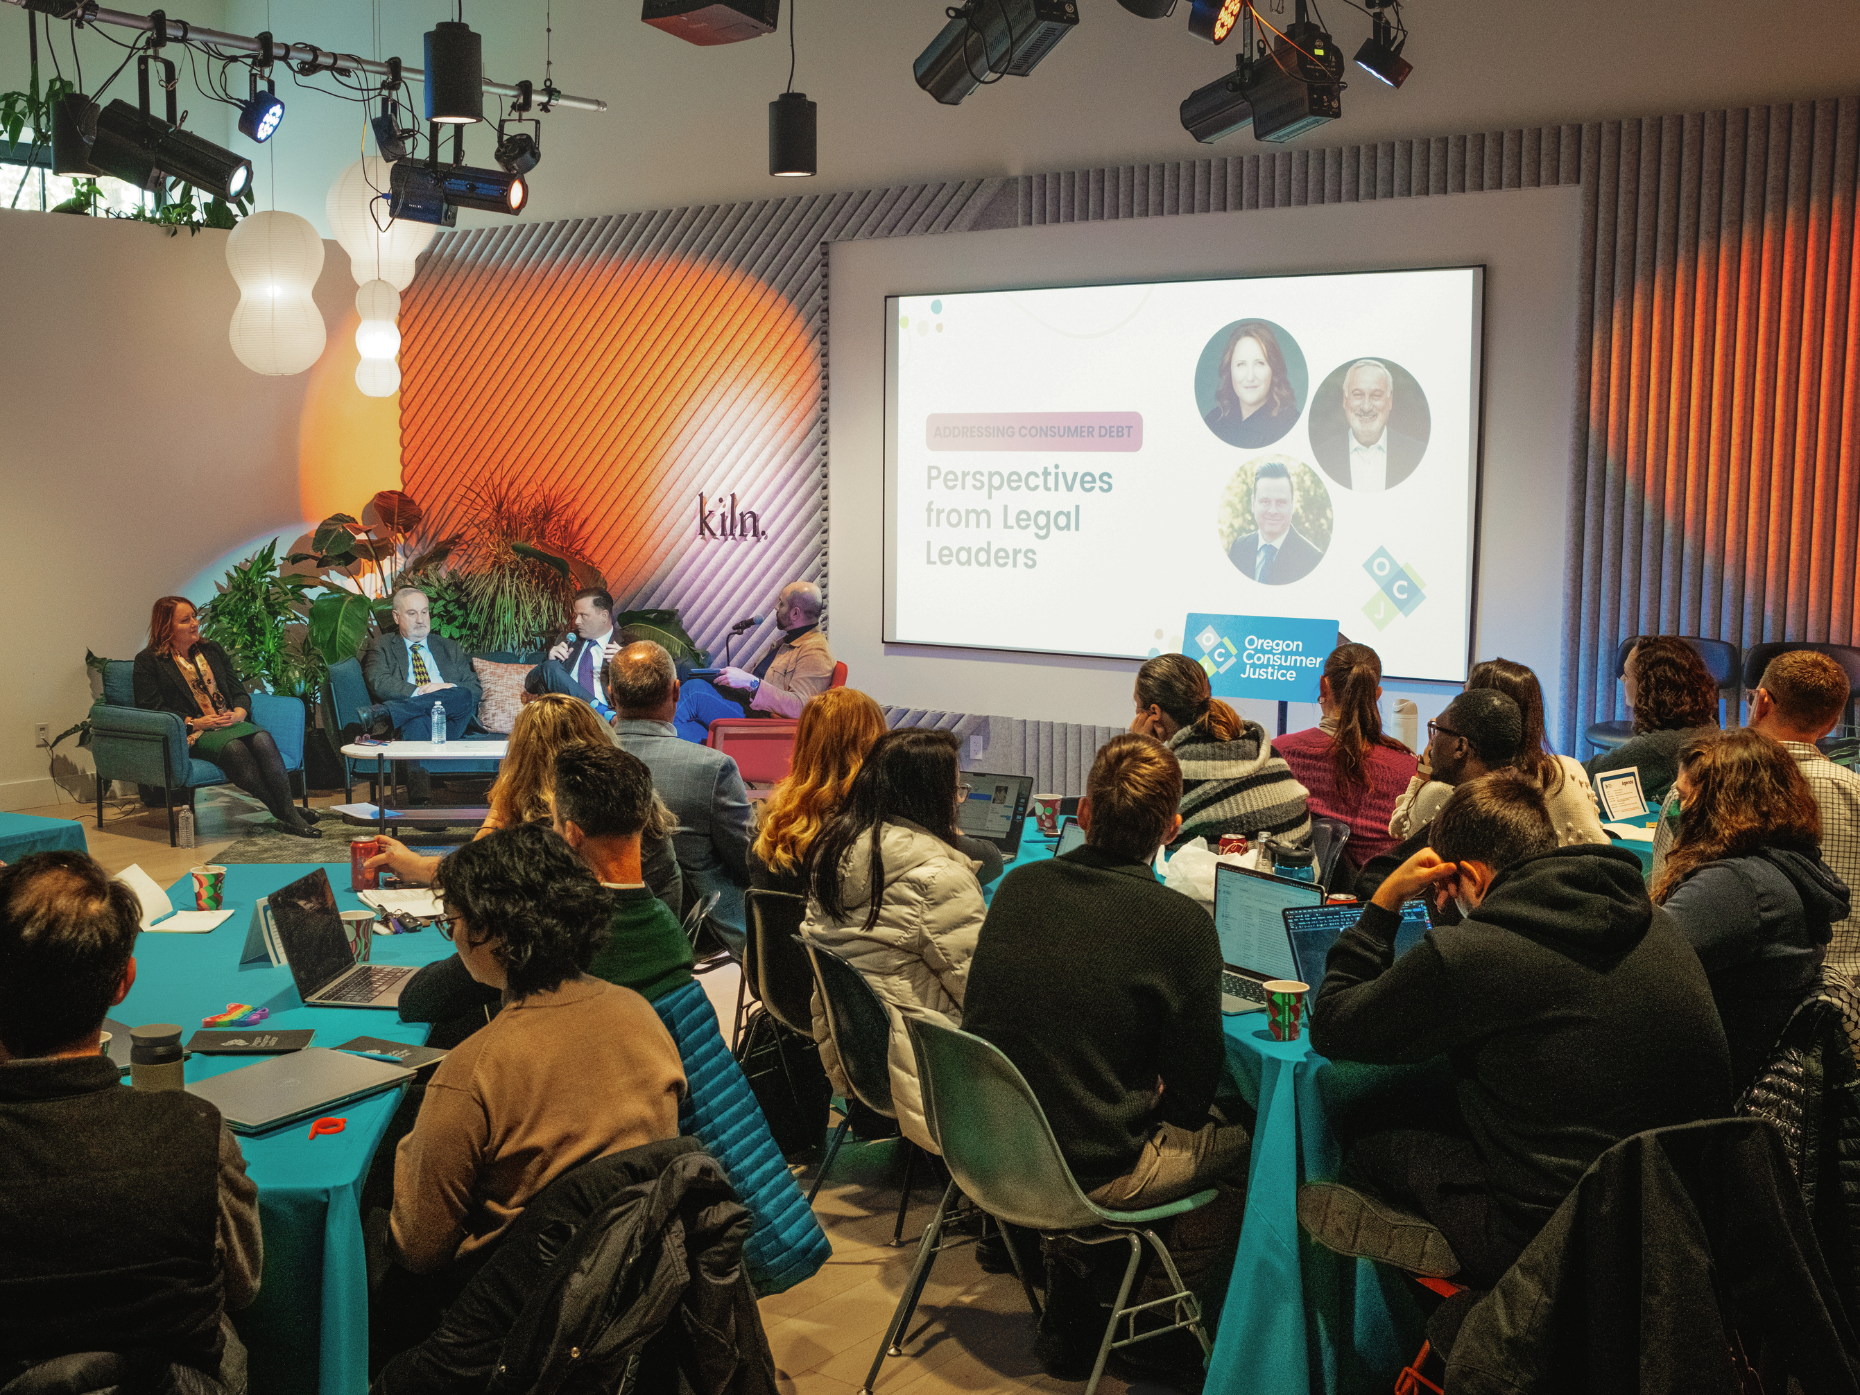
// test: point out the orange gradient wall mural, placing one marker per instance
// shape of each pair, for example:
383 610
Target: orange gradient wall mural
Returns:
348 445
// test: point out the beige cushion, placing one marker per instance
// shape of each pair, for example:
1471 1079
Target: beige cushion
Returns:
503 694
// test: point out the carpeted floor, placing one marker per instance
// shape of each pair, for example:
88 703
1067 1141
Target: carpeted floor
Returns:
272 844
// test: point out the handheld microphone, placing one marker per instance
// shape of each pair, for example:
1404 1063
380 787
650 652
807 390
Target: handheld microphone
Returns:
742 626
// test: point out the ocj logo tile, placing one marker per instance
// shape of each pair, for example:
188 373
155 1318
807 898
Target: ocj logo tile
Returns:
1400 589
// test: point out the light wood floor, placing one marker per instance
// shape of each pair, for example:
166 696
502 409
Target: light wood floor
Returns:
973 1332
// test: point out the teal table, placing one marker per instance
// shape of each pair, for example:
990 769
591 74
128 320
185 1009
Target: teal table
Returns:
21 835
308 1332
1644 851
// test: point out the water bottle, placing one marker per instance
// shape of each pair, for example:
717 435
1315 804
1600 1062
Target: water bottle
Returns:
1297 863
439 724
184 827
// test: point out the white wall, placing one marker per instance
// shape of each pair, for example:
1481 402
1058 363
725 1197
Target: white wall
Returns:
135 450
1528 241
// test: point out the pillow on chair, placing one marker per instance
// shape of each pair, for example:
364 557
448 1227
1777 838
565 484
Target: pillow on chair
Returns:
503 693
119 682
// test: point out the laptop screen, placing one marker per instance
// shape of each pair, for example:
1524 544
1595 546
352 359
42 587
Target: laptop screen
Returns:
1249 918
993 805
1314 929
310 929
1070 836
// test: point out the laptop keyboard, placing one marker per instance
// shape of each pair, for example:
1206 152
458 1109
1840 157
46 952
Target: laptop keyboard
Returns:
364 986
1234 986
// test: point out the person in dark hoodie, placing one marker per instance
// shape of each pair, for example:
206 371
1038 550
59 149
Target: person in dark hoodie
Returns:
1571 1011
1746 884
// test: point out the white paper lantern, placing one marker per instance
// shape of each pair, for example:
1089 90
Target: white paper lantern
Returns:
378 249
377 300
378 377
276 258
376 337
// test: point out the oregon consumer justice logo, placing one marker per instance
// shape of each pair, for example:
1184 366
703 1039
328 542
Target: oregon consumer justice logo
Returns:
1400 589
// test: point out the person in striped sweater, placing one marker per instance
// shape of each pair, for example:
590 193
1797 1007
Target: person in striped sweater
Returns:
1232 781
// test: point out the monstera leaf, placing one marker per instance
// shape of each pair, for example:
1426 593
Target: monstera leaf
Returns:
662 627
583 574
398 512
335 537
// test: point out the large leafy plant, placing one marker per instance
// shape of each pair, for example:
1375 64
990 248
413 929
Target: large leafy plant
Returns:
258 618
360 565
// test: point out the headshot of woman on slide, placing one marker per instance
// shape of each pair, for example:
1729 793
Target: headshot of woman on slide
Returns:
1254 401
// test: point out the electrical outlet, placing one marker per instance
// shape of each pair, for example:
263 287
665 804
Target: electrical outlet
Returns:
41 733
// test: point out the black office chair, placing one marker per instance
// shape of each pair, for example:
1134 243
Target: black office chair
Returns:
1722 659
1328 837
1846 655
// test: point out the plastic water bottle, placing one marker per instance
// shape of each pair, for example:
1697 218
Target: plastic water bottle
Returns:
184 826
439 724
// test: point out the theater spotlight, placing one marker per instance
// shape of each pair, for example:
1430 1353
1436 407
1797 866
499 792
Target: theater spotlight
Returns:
988 39
140 148
1380 55
454 74
415 195
1214 20
1218 110
261 113
74 132
519 152
494 191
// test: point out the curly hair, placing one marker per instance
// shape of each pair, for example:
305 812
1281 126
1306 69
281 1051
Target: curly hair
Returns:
523 891
525 786
1673 690
1179 686
1279 397
1747 793
837 728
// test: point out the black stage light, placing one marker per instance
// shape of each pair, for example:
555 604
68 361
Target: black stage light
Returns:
1299 87
1214 20
992 36
454 74
140 148
493 191
74 132
1218 110
519 152
389 139
414 193
792 130
709 22
1380 55
1149 9
260 115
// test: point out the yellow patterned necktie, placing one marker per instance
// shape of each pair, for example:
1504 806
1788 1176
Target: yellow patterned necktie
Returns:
420 676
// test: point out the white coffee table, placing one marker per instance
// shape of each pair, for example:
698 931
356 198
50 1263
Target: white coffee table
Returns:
427 752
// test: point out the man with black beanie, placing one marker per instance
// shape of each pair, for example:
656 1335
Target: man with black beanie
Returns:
1571 1013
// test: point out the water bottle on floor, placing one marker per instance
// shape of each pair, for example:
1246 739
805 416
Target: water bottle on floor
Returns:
184 827
439 724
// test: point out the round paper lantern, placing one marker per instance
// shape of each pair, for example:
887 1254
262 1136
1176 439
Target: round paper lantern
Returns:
377 300
378 249
378 377
376 337
276 258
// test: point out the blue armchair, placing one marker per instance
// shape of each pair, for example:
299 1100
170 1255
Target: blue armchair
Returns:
150 748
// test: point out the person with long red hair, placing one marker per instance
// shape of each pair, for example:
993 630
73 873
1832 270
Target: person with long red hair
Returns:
193 678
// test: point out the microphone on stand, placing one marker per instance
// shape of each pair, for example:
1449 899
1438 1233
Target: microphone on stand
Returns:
740 627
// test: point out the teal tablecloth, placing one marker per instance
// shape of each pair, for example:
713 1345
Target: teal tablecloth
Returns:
308 1331
21 835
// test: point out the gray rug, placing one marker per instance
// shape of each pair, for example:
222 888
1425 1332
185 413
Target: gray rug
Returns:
272 844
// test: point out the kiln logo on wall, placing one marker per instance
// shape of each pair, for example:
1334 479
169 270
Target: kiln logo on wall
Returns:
717 519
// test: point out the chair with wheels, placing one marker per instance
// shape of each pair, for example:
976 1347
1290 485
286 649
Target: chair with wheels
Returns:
860 1026
1722 659
1758 656
1328 838
1002 1155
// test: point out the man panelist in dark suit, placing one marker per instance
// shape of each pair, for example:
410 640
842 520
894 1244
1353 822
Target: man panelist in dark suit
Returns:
1368 455
1275 552
575 664
409 671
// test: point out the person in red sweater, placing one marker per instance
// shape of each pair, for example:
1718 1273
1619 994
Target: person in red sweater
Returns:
1349 769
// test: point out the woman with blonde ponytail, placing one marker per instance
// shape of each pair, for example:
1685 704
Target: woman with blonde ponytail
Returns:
1232 782
1350 770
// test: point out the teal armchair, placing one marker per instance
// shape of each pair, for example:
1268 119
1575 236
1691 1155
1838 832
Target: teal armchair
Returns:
150 748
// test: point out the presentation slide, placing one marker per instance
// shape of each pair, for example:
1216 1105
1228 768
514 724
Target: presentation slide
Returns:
1075 470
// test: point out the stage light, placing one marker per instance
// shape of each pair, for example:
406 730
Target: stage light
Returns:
709 22
375 252
1299 88
454 74
276 258
992 37
74 132
140 148
1149 9
260 115
494 191
414 195
1214 20
1218 110
792 130
1380 55
518 153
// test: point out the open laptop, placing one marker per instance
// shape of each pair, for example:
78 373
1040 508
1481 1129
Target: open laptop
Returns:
310 931
1249 917
1314 929
1070 836
296 1085
996 809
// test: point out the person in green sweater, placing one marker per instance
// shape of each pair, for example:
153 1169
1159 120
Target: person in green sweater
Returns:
603 799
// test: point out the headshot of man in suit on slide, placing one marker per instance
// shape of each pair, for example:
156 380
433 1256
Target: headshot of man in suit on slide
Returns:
1369 425
1276 520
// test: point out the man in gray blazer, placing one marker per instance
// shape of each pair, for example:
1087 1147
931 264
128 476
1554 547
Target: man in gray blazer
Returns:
701 786
407 673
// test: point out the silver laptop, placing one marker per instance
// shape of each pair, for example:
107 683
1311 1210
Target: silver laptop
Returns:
310 930
1256 946
296 1085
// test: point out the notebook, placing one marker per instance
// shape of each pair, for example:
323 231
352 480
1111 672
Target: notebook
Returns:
296 1085
1314 929
309 929
996 809
1256 947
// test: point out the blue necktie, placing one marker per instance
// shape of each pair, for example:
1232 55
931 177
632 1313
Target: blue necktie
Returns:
1267 551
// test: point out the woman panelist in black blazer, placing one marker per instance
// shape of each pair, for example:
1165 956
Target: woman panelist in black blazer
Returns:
181 673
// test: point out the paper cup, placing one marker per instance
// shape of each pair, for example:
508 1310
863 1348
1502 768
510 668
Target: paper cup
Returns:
209 887
103 1044
358 927
1285 1007
1046 813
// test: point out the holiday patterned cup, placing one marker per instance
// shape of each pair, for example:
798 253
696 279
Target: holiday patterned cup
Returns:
1285 1007
209 887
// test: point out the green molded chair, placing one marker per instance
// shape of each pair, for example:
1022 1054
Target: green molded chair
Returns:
1002 1155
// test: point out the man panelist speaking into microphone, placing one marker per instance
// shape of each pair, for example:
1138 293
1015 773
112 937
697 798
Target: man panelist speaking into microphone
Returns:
796 667
574 666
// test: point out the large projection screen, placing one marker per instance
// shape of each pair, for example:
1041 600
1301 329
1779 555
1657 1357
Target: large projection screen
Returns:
1073 470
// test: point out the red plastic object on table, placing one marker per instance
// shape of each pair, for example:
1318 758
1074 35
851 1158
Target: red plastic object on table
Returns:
328 1125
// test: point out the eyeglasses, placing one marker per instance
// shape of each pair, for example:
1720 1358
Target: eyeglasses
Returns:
1435 729
962 791
445 924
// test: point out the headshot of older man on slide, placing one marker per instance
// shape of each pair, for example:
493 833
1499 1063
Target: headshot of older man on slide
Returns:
1369 424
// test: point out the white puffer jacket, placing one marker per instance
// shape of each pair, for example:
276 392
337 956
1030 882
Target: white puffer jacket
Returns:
915 956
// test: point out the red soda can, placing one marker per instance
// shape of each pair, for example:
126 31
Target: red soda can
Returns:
1341 900
363 878
1231 843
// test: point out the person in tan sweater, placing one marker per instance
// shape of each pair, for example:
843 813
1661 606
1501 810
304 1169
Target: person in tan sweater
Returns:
572 1069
